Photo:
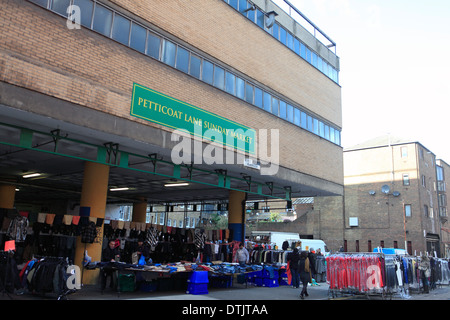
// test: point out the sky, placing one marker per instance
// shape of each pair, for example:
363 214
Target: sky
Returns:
395 67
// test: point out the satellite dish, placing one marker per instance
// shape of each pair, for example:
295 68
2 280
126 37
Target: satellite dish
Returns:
372 192
270 19
385 189
396 193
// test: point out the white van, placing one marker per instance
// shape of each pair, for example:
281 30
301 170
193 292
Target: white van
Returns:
307 244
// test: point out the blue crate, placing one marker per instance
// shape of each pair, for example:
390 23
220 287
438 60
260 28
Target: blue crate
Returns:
258 282
199 277
271 283
197 288
221 281
268 275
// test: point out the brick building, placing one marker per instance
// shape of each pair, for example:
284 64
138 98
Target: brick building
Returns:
391 197
90 104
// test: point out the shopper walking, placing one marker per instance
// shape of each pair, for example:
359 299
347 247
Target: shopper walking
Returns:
425 271
293 258
304 272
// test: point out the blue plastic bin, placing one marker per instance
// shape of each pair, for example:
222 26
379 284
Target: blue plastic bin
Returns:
197 288
199 277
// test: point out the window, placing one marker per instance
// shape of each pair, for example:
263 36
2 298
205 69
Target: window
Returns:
302 51
207 72
230 85
308 55
297 116
182 59
425 210
240 88
283 35
276 31
249 93
316 126
290 113
290 41
194 66
296 46
369 245
303 120
332 134
309 123
424 181
404 152
260 18
102 20
121 29
60 6
258 97
283 113
153 45
86 7
321 129
243 6
267 105
406 179
234 4
275 106
219 77
137 37
407 210
168 53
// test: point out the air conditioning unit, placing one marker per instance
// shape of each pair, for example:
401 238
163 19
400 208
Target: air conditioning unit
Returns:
353 221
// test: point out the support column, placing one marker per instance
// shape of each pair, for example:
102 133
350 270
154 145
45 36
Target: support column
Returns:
140 211
93 195
7 195
236 214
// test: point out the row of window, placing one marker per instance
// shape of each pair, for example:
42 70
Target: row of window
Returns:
114 25
382 245
257 16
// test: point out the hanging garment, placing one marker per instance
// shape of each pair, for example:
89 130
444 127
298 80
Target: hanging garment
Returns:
17 229
151 237
89 233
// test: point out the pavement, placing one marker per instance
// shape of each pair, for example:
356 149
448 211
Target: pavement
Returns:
238 292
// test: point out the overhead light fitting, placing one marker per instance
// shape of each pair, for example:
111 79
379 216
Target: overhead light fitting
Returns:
176 184
31 175
119 189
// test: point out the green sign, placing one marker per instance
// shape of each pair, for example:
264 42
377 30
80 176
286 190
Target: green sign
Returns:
159 108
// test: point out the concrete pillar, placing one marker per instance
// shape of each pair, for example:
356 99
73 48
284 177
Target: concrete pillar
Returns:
93 195
236 214
7 195
140 211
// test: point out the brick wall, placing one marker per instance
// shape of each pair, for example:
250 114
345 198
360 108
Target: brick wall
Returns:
38 52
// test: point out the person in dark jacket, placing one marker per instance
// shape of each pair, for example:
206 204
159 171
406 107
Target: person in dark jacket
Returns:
110 254
304 272
293 259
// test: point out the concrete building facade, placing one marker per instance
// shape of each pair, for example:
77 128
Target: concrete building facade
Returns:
92 92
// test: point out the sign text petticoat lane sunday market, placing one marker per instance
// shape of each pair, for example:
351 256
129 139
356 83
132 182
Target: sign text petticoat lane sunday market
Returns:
159 108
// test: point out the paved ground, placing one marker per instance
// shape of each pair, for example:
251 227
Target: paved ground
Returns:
237 292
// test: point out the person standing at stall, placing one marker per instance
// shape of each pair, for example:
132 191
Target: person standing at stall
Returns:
425 271
242 255
293 258
304 272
